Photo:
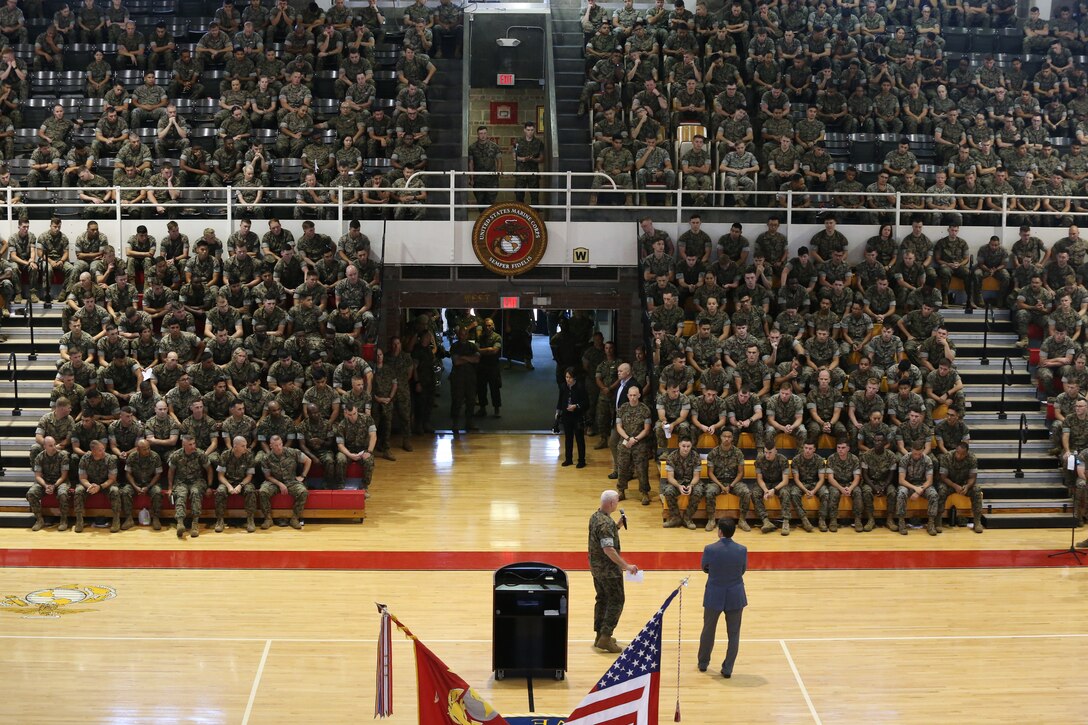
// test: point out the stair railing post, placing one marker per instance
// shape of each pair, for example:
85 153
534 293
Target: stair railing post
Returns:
986 318
1023 434
13 378
3 471
1006 368
30 322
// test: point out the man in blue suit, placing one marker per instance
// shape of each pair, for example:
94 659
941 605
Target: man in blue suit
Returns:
725 561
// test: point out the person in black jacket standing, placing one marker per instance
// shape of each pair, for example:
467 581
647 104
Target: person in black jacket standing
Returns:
570 411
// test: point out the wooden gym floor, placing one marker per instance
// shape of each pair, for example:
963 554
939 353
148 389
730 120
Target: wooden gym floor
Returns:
279 626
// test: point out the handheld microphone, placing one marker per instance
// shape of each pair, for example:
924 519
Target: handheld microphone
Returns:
623 520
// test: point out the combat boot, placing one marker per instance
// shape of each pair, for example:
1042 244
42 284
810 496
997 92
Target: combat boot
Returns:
115 525
870 524
939 524
267 523
767 526
785 527
63 525
903 526
857 524
672 523
833 525
406 444
601 444
127 524
807 525
623 495
194 528
78 528
219 526
1022 342
294 523
388 455
979 528
931 528
741 524
250 528
179 527
156 524
607 644
890 523
821 523
688 523
39 523
712 524
645 499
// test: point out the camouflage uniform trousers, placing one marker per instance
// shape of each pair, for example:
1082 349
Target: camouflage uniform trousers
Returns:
1045 377
402 411
383 418
295 489
36 492
829 503
74 493
792 497
608 605
704 491
603 417
755 429
1023 318
815 430
974 493
1002 276
750 494
672 495
114 494
631 462
135 263
1080 499
128 493
249 496
678 430
945 273
191 492
335 464
799 433
903 493
864 495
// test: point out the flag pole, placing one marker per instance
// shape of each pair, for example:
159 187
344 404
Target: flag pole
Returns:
679 641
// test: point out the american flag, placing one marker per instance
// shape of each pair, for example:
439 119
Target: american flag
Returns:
627 693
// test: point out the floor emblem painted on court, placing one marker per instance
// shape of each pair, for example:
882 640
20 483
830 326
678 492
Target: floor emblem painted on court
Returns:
54 602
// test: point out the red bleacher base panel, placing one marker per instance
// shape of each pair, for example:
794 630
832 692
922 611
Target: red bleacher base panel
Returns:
319 505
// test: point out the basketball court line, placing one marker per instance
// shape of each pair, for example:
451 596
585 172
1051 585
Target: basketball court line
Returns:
491 560
800 683
256 682
747 640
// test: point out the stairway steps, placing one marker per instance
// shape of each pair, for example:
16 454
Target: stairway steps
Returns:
1008 520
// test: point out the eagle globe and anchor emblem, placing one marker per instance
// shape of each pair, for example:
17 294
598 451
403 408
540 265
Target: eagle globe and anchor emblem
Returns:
52 603
509 238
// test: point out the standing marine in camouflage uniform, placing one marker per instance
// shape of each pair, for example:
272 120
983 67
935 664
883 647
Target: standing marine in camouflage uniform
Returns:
97 472
50 476
280 468
188 479
633 449
235 472
607 568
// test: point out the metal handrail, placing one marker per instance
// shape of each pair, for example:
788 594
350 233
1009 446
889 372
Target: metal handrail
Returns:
381 281
1006 370
30 323
13 378
1021 439
988 319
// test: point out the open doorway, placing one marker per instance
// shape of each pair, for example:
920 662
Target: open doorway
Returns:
537 345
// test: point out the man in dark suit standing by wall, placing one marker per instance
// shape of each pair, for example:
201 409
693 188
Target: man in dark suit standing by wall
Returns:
619 397
725 561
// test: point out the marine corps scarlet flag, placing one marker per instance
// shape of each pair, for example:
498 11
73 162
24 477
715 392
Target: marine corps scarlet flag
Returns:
446 699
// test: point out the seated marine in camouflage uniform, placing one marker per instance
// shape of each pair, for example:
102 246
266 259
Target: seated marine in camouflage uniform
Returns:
50 469
958 473
916 481
188 478
143 472
280 468
725 473
843 477
808 481
234 471
98 472
682 469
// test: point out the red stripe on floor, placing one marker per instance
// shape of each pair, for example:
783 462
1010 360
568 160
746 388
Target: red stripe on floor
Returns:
490 560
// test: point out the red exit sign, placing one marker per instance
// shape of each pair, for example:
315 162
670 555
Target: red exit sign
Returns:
510 303
506 79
